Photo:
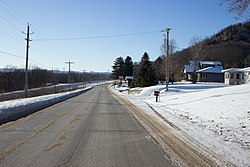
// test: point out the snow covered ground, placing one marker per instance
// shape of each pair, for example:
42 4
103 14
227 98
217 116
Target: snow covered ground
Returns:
14 109
215 115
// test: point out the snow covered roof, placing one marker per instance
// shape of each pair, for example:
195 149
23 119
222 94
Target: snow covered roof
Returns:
191 62
216 63
246 69
210 70
188 68
232 70
129 78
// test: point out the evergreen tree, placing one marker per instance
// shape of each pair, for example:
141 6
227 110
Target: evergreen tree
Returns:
118 68
160 68
128 67
137 78
145 74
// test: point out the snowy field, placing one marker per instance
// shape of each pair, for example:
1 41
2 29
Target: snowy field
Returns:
215 115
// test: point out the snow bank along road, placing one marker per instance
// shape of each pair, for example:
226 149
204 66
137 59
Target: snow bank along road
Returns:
182 150
92 129
15 109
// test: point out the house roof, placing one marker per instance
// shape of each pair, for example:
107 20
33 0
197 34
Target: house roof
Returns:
246 69
232 70
216 69
216 63
129 78
210 70
188 68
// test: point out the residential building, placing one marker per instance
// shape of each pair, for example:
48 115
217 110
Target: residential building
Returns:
210 74
233 76
246 76
207 71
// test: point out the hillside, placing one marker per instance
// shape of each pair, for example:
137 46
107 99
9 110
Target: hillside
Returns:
230 45
236 33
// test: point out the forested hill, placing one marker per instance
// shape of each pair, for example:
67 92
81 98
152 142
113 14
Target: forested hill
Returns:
231 46
236 33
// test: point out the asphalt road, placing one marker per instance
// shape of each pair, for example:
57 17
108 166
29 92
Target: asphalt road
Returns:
90 130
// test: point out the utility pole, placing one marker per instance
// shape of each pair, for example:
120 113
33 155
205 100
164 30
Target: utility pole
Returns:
83 78
53 79
166 42
69 62
90 78
108 75
27 60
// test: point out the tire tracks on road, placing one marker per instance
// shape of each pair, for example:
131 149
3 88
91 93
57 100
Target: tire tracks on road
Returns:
180 148
4 153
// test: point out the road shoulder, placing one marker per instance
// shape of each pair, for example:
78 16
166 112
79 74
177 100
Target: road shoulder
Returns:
173 141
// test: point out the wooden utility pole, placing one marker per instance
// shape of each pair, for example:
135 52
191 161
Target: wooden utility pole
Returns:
167 55
83 82
27 60
69 62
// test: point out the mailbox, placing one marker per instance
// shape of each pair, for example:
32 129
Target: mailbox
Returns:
156 93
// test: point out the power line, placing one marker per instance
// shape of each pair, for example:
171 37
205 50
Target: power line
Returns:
40 64
10 23
21 21
11 54
97 37
11 11
11 36
14 12
50 45
22 57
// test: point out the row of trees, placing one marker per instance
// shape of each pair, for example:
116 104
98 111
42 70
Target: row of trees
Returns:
12 79
144 72
122 67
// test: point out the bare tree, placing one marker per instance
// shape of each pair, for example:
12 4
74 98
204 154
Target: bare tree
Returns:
196 44
172 47
239 7
172 50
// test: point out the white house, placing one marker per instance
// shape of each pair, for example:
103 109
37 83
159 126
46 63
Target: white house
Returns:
233 76
246 76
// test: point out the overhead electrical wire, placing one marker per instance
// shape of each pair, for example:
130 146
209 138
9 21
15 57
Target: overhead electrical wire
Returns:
101 37
10 23
11 36
51 46
97 37
37 32
15 55
11 54
14 12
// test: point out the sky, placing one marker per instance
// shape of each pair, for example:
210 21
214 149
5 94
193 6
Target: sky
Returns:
93 33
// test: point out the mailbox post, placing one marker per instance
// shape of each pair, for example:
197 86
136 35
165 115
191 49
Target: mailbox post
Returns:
156 94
